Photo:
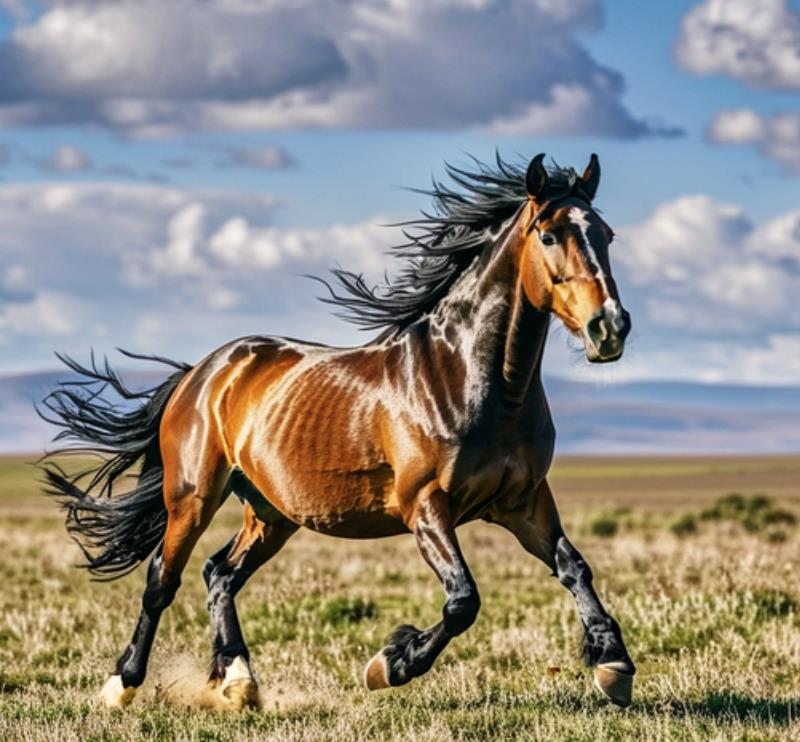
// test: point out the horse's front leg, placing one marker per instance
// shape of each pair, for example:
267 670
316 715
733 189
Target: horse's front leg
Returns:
411 652
536 524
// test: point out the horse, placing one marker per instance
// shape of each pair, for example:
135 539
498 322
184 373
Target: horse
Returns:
440 420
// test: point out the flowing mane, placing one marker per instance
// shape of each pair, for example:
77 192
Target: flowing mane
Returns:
441 244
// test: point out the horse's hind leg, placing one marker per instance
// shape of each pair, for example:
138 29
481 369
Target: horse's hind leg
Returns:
536 525
411 652
225 574
190 507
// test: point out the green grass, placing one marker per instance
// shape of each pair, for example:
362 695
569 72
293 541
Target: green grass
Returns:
711 615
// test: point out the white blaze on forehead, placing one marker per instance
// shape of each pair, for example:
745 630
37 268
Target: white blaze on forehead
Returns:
580 218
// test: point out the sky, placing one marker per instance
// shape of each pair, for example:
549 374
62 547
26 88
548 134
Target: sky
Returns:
170 171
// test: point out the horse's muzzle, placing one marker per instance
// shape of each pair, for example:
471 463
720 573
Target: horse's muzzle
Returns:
605 333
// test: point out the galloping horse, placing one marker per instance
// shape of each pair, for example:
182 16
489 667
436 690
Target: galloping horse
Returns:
441 420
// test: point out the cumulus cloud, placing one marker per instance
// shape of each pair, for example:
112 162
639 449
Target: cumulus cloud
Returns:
705 268
48 313
265 64
164 269
238 244
269 157
757 42
776 137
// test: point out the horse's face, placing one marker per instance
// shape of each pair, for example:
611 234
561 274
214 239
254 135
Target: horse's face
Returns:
565 263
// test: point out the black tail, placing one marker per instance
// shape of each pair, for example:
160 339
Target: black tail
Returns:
115 532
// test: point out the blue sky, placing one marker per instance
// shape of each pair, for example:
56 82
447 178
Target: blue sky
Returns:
168 170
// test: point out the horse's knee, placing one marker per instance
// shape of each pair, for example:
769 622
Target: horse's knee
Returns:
158 598
208 571
571 567
461 611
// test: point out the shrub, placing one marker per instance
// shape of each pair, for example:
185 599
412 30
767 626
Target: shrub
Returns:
756 514
684 525
340 611
604 526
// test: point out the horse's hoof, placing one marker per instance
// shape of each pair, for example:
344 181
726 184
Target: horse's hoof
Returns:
615 680
114 695
376 675
239 687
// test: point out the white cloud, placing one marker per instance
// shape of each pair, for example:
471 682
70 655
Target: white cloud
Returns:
778 239
360 245
704 268
68 159
156 69
777 137
757 42
179 257
49 313
110 264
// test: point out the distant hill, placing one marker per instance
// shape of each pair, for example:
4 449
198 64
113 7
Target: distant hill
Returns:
642 417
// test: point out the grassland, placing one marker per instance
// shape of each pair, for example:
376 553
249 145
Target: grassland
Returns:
706 591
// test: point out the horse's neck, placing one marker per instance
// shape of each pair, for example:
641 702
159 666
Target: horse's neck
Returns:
487 322
524 347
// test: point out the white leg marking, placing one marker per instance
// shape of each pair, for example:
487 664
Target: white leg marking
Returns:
114 695
239 686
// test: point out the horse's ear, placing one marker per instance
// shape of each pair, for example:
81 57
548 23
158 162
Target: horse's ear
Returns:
591 177
536 179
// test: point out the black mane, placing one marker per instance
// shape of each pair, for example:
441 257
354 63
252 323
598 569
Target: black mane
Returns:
441 244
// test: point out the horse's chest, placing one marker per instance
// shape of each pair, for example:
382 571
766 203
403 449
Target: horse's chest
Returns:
502 475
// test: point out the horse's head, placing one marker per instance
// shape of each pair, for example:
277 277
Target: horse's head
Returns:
565 262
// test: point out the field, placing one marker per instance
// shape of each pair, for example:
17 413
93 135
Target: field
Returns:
704 584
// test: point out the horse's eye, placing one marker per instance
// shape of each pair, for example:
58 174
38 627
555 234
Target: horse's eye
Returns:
547 239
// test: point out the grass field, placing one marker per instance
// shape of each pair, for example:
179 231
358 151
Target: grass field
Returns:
704 585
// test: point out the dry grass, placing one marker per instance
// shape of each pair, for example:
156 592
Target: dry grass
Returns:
711 617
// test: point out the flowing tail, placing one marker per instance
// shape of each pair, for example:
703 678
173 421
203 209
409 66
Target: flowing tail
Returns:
115 532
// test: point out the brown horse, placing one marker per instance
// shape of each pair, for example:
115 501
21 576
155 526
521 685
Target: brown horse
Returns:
439 421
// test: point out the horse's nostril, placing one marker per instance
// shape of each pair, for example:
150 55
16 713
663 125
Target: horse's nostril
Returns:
595 325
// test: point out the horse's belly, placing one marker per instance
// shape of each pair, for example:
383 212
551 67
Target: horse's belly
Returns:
348 503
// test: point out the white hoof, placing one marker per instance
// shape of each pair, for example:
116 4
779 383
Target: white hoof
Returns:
239 686
114 695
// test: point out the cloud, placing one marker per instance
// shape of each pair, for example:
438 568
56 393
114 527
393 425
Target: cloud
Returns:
5 155
515 68
755 42
269 157
362 245
705 269
48 313
776 137
181 271
68 159
15 8
163 269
